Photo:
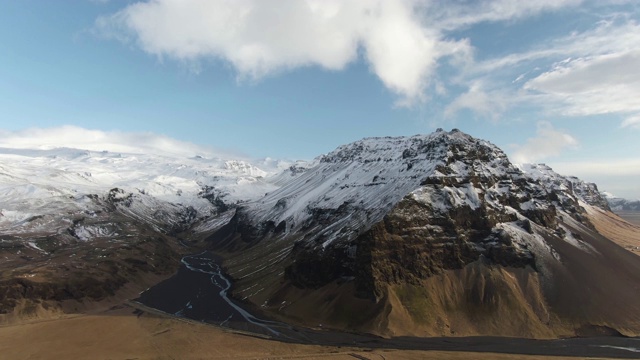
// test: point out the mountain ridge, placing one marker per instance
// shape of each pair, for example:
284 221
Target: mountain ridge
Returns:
620 204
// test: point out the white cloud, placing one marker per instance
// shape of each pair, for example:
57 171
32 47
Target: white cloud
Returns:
548 142
607 37
97 140
602 84
453 15
631 122
490 104
610 167
263 37
586 73
402 40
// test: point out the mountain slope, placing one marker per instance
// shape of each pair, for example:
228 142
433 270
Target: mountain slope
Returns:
432 235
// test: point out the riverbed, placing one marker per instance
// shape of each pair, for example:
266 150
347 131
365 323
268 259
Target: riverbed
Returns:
200 291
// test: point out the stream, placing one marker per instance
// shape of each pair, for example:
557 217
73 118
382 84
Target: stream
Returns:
203 264
199 291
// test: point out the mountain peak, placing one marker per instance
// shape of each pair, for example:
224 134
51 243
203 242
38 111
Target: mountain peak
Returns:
389 148
373 174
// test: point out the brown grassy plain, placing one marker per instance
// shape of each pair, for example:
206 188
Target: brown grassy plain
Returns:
124 333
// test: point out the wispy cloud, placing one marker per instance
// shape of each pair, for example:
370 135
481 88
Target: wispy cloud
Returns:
584 73
618 34
602 84
453 15
485 102
631 122
547 143
96 140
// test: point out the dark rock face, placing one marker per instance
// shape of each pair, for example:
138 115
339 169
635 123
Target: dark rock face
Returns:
588 192
215 197
14 290
567 191
399 250
313 270
414 242
118 196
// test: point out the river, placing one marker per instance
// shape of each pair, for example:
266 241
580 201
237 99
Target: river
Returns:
199 291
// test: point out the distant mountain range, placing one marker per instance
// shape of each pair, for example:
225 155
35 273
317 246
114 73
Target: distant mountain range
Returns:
435 234
620 204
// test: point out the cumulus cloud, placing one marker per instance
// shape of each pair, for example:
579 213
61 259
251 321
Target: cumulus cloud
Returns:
403 41
263 37
548 142
97 140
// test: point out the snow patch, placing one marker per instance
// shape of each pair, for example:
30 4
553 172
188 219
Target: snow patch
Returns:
89 232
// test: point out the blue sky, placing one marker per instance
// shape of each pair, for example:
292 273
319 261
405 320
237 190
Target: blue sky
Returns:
548 81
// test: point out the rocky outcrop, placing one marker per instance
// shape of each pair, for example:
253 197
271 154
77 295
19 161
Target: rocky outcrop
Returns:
409 245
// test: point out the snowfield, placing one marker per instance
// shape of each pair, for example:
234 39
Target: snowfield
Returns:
44 191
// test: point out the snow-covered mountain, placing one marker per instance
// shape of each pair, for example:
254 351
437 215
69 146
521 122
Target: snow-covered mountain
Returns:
38 187
96 220
376 222
359 183
433 234
621 204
